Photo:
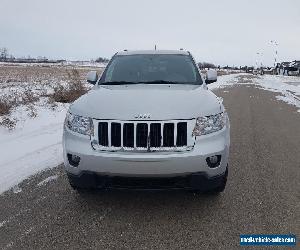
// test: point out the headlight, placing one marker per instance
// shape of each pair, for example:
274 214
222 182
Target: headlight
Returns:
209 124
79 124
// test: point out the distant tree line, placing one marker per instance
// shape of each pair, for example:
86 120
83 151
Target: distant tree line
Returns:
6 57
102 60
205 65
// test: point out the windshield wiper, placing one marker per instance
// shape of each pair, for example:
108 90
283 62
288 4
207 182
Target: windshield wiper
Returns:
161 82
117 83
145 82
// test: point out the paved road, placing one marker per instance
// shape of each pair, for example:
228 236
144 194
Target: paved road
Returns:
262 195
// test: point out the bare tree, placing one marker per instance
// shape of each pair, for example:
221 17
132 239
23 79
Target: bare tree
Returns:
3 54
102 60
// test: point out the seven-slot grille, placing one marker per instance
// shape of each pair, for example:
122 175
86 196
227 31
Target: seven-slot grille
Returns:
150 136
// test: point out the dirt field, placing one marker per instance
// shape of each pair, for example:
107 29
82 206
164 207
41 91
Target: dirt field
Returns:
262 195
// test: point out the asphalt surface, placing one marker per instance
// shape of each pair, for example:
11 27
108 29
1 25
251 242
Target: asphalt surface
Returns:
262 195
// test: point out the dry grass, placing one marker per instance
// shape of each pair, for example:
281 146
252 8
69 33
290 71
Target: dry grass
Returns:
26 85
5 107
70 91
39 74
29 83
10 101
8 122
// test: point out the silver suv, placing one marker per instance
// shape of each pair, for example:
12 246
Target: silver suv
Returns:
149 122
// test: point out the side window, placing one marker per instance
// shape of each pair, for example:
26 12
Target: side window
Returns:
110 70
191 69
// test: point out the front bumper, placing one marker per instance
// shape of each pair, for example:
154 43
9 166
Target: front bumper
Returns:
148 164
195 181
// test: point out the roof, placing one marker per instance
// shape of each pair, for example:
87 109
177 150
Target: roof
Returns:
153 52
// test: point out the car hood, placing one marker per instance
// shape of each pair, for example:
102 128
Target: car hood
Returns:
162 102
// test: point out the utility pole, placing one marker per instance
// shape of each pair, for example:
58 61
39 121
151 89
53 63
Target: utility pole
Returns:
275 45
256 60
259 59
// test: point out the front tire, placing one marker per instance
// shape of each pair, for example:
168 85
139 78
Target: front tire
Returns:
219 189
78 184
73 184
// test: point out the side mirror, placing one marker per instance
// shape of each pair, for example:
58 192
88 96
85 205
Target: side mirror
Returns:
211 76
92 77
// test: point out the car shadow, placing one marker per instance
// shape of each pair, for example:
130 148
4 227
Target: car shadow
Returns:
147 200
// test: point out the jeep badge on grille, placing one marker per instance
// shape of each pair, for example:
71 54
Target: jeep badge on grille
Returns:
142 116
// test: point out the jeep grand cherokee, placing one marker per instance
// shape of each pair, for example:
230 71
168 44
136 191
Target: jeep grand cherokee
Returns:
149 122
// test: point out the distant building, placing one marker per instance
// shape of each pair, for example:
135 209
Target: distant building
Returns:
295 64
288 68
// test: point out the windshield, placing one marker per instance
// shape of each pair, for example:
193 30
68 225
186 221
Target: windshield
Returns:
149 68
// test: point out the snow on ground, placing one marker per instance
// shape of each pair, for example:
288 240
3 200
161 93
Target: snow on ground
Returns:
16 189
48 179
224 81
288 87
34 145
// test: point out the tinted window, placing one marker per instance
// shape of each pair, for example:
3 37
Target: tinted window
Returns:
152 68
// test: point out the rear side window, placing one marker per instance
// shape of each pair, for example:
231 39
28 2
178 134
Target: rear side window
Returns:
147 68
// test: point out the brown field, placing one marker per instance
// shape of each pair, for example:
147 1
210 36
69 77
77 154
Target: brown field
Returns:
39 74
29 84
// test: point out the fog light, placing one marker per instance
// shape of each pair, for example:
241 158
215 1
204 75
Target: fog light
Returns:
73 160
213 161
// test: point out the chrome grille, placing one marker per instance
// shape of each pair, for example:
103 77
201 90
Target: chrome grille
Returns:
143 135
128 135
168 135
103 133
115 134
155 135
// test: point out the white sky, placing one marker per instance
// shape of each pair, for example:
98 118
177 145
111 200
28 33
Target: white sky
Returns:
222 32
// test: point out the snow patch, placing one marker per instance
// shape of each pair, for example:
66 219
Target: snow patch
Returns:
3 223
34 145
224 81
16 189
48 179
287 86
